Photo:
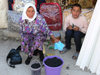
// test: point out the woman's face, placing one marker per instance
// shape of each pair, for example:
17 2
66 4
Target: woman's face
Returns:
30 12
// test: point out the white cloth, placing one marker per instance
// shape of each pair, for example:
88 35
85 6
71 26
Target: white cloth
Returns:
24 16
90 52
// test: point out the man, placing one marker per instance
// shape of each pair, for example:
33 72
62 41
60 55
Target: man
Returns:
75 26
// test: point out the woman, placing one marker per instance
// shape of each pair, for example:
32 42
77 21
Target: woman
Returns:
34 31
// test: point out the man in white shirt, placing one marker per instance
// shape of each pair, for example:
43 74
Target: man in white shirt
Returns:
75 26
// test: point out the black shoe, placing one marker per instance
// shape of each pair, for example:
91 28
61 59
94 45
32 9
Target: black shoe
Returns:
27 62
18 48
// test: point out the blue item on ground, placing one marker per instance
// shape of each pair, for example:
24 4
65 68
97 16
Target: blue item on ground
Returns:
59 46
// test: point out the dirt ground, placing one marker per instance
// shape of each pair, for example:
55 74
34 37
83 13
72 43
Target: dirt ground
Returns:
23 69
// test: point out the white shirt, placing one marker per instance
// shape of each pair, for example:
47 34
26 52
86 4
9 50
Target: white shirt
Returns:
81 22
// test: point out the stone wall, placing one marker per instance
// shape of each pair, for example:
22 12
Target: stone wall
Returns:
12 31
3 13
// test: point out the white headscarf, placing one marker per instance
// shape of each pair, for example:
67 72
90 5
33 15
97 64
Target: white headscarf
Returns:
24 15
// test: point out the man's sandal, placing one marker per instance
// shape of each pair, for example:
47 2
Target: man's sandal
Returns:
75 56
64 50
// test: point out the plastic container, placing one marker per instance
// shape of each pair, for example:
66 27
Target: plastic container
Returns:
51 70
36 67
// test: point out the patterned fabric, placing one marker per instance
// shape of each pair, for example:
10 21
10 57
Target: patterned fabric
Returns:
33 34
20 4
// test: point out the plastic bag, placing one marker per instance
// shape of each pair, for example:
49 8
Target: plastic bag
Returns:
59 46
52 14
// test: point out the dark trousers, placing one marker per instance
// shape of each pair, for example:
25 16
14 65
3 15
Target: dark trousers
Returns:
41 55
77 35
36 52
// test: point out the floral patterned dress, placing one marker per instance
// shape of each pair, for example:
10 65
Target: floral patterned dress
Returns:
33 34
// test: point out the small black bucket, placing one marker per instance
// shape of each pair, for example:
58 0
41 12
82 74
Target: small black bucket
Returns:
36 67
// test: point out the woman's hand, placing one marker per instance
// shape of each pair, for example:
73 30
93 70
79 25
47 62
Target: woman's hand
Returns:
55 40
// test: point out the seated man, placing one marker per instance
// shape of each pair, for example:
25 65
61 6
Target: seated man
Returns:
75 26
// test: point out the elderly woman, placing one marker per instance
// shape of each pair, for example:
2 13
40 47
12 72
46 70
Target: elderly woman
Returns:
34 31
